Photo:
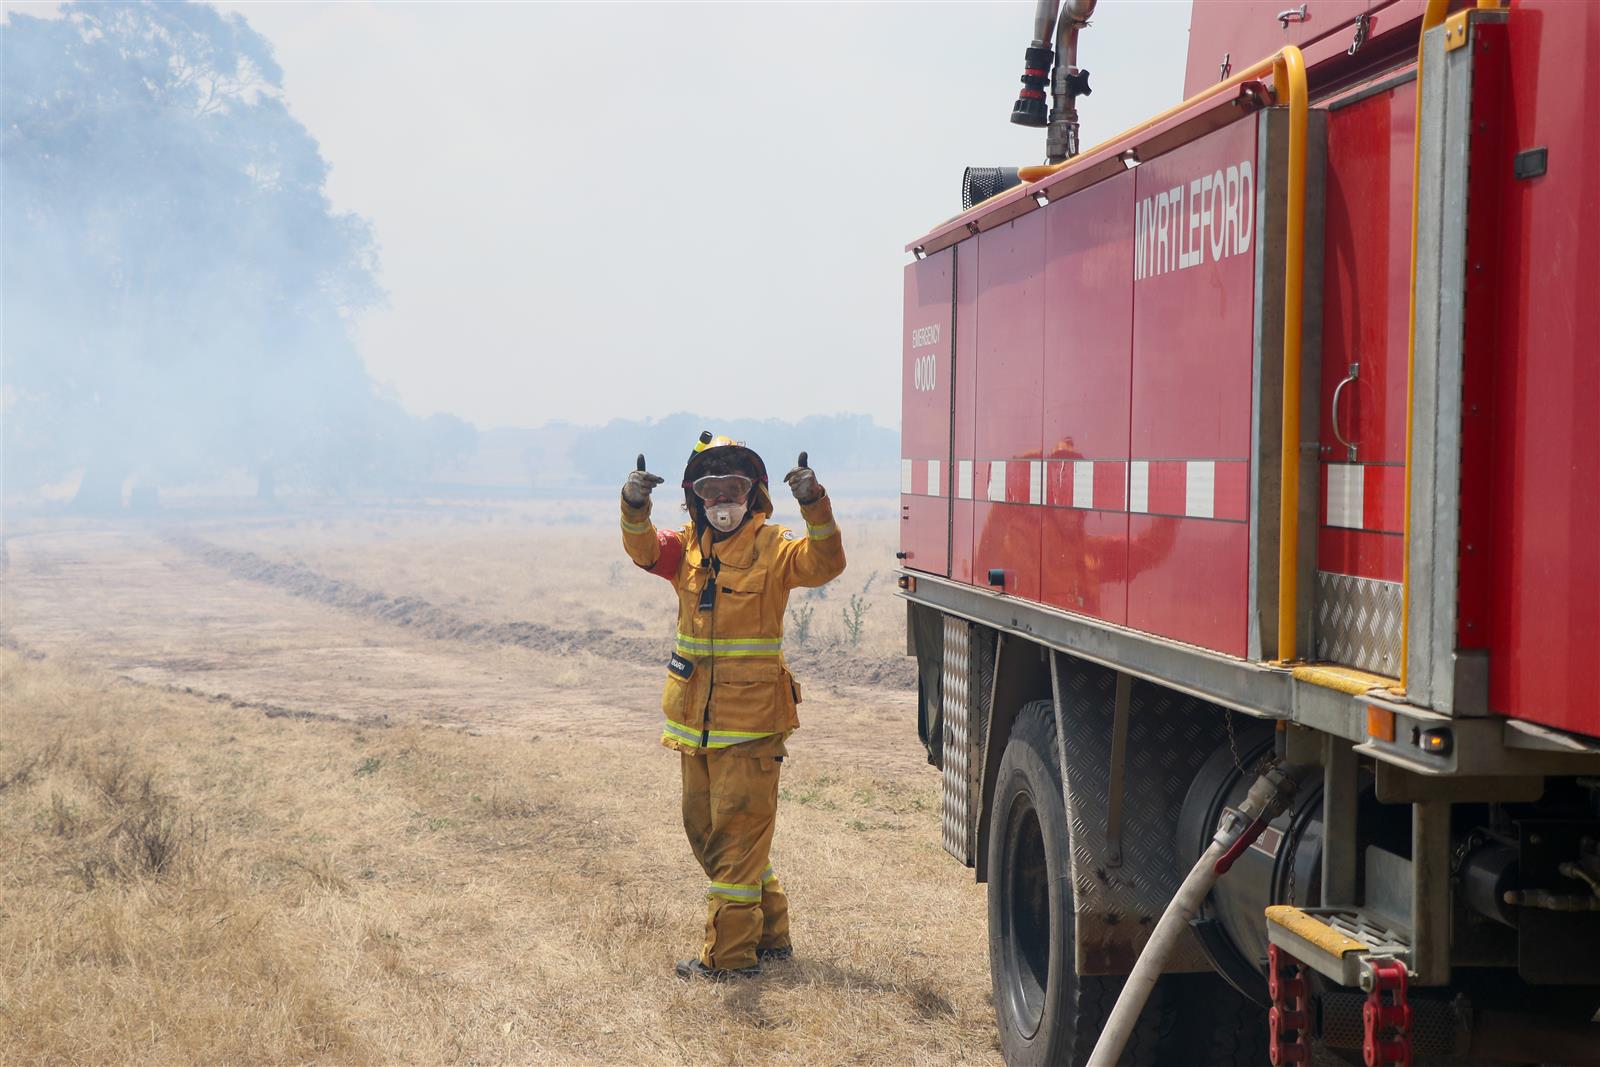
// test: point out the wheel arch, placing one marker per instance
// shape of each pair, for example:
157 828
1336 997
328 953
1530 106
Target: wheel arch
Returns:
1021 676
1120 851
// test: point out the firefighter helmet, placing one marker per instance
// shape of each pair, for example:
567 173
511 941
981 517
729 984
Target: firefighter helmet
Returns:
723 455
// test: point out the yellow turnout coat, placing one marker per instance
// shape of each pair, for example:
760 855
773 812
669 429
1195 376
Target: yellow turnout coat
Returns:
727 682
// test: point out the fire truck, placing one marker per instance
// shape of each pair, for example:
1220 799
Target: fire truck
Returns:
1250 542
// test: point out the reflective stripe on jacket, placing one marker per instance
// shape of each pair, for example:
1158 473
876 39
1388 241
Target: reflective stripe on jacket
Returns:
738 687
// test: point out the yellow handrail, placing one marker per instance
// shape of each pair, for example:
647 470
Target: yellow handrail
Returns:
1289 73
1437 9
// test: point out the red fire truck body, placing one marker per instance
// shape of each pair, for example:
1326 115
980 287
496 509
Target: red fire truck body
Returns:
1093 479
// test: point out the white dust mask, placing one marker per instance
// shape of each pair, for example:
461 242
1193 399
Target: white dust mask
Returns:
725 518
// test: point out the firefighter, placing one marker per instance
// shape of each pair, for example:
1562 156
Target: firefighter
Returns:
730 701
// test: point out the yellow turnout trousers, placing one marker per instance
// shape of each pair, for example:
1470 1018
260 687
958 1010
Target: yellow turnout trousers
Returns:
730 804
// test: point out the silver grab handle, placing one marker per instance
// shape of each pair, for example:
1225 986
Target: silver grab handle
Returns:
1350 446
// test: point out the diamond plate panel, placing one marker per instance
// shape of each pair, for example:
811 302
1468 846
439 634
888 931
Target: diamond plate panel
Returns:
1169 737
1358 622
980 679
956 810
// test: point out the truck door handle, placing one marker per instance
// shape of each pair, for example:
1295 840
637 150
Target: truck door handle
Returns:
1350 446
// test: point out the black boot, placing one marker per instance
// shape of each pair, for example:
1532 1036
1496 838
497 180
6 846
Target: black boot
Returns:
777 954
688 969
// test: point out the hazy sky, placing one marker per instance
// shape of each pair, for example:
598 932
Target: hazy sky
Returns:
622 210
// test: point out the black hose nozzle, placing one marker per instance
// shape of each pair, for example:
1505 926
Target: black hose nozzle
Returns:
1032 107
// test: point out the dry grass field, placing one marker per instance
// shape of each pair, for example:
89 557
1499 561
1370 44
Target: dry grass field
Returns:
384 787
571 574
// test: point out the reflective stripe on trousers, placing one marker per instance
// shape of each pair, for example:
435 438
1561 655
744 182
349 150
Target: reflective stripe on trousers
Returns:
730 891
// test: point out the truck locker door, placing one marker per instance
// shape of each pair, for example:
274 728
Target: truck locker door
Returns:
963 427
1088 353
1543 490
1007 471
925 413
1193 355
1362 437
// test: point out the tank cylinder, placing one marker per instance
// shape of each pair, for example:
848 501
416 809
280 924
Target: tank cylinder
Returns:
1283 866
1487 872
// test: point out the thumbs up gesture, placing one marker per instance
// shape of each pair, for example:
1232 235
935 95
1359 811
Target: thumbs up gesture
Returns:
636 490
803 482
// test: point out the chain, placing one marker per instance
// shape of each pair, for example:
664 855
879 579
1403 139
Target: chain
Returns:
1263 765
1468 843
1363 23
1233 742
1294 852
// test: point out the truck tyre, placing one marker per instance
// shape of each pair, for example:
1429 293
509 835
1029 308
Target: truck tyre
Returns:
1213 1024
1047 1012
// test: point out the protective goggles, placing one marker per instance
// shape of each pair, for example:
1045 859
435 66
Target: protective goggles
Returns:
720 488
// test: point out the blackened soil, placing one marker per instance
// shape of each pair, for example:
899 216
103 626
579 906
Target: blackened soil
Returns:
830 665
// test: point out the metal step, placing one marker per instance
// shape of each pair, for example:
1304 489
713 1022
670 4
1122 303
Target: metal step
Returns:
1336 942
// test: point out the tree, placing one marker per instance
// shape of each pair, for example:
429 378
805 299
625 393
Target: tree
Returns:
177 289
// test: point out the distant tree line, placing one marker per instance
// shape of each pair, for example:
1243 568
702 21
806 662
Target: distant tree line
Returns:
835 443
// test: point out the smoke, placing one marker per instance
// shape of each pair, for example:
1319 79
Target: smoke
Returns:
178 293
836 443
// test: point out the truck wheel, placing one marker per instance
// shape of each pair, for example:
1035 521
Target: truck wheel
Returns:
1047 1012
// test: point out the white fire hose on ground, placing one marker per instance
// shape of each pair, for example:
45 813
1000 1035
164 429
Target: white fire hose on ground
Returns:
1269 795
